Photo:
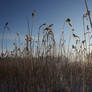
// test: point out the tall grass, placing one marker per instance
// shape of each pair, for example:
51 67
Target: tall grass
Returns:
46 68
43 75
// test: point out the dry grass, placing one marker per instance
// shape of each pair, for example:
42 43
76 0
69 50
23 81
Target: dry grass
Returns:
45 68
42 75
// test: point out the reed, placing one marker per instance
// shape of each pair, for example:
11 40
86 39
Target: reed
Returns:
40 69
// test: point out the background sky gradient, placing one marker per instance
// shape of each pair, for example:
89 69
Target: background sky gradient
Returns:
48 11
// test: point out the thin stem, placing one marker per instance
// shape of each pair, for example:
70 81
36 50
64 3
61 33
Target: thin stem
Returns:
38 42
84 33
2 42
88 12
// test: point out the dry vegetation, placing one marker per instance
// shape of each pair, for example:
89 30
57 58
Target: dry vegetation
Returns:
44 75
43 68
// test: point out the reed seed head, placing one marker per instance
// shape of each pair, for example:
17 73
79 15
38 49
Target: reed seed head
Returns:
51 25
68 20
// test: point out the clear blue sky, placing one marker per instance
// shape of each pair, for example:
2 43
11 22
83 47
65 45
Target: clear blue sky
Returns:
49 11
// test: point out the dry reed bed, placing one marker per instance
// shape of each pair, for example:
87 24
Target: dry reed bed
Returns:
51 75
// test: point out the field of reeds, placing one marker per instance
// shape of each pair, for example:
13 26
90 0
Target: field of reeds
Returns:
44 75
44 65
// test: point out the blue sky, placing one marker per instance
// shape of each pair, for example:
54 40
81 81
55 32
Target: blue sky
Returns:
48 11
